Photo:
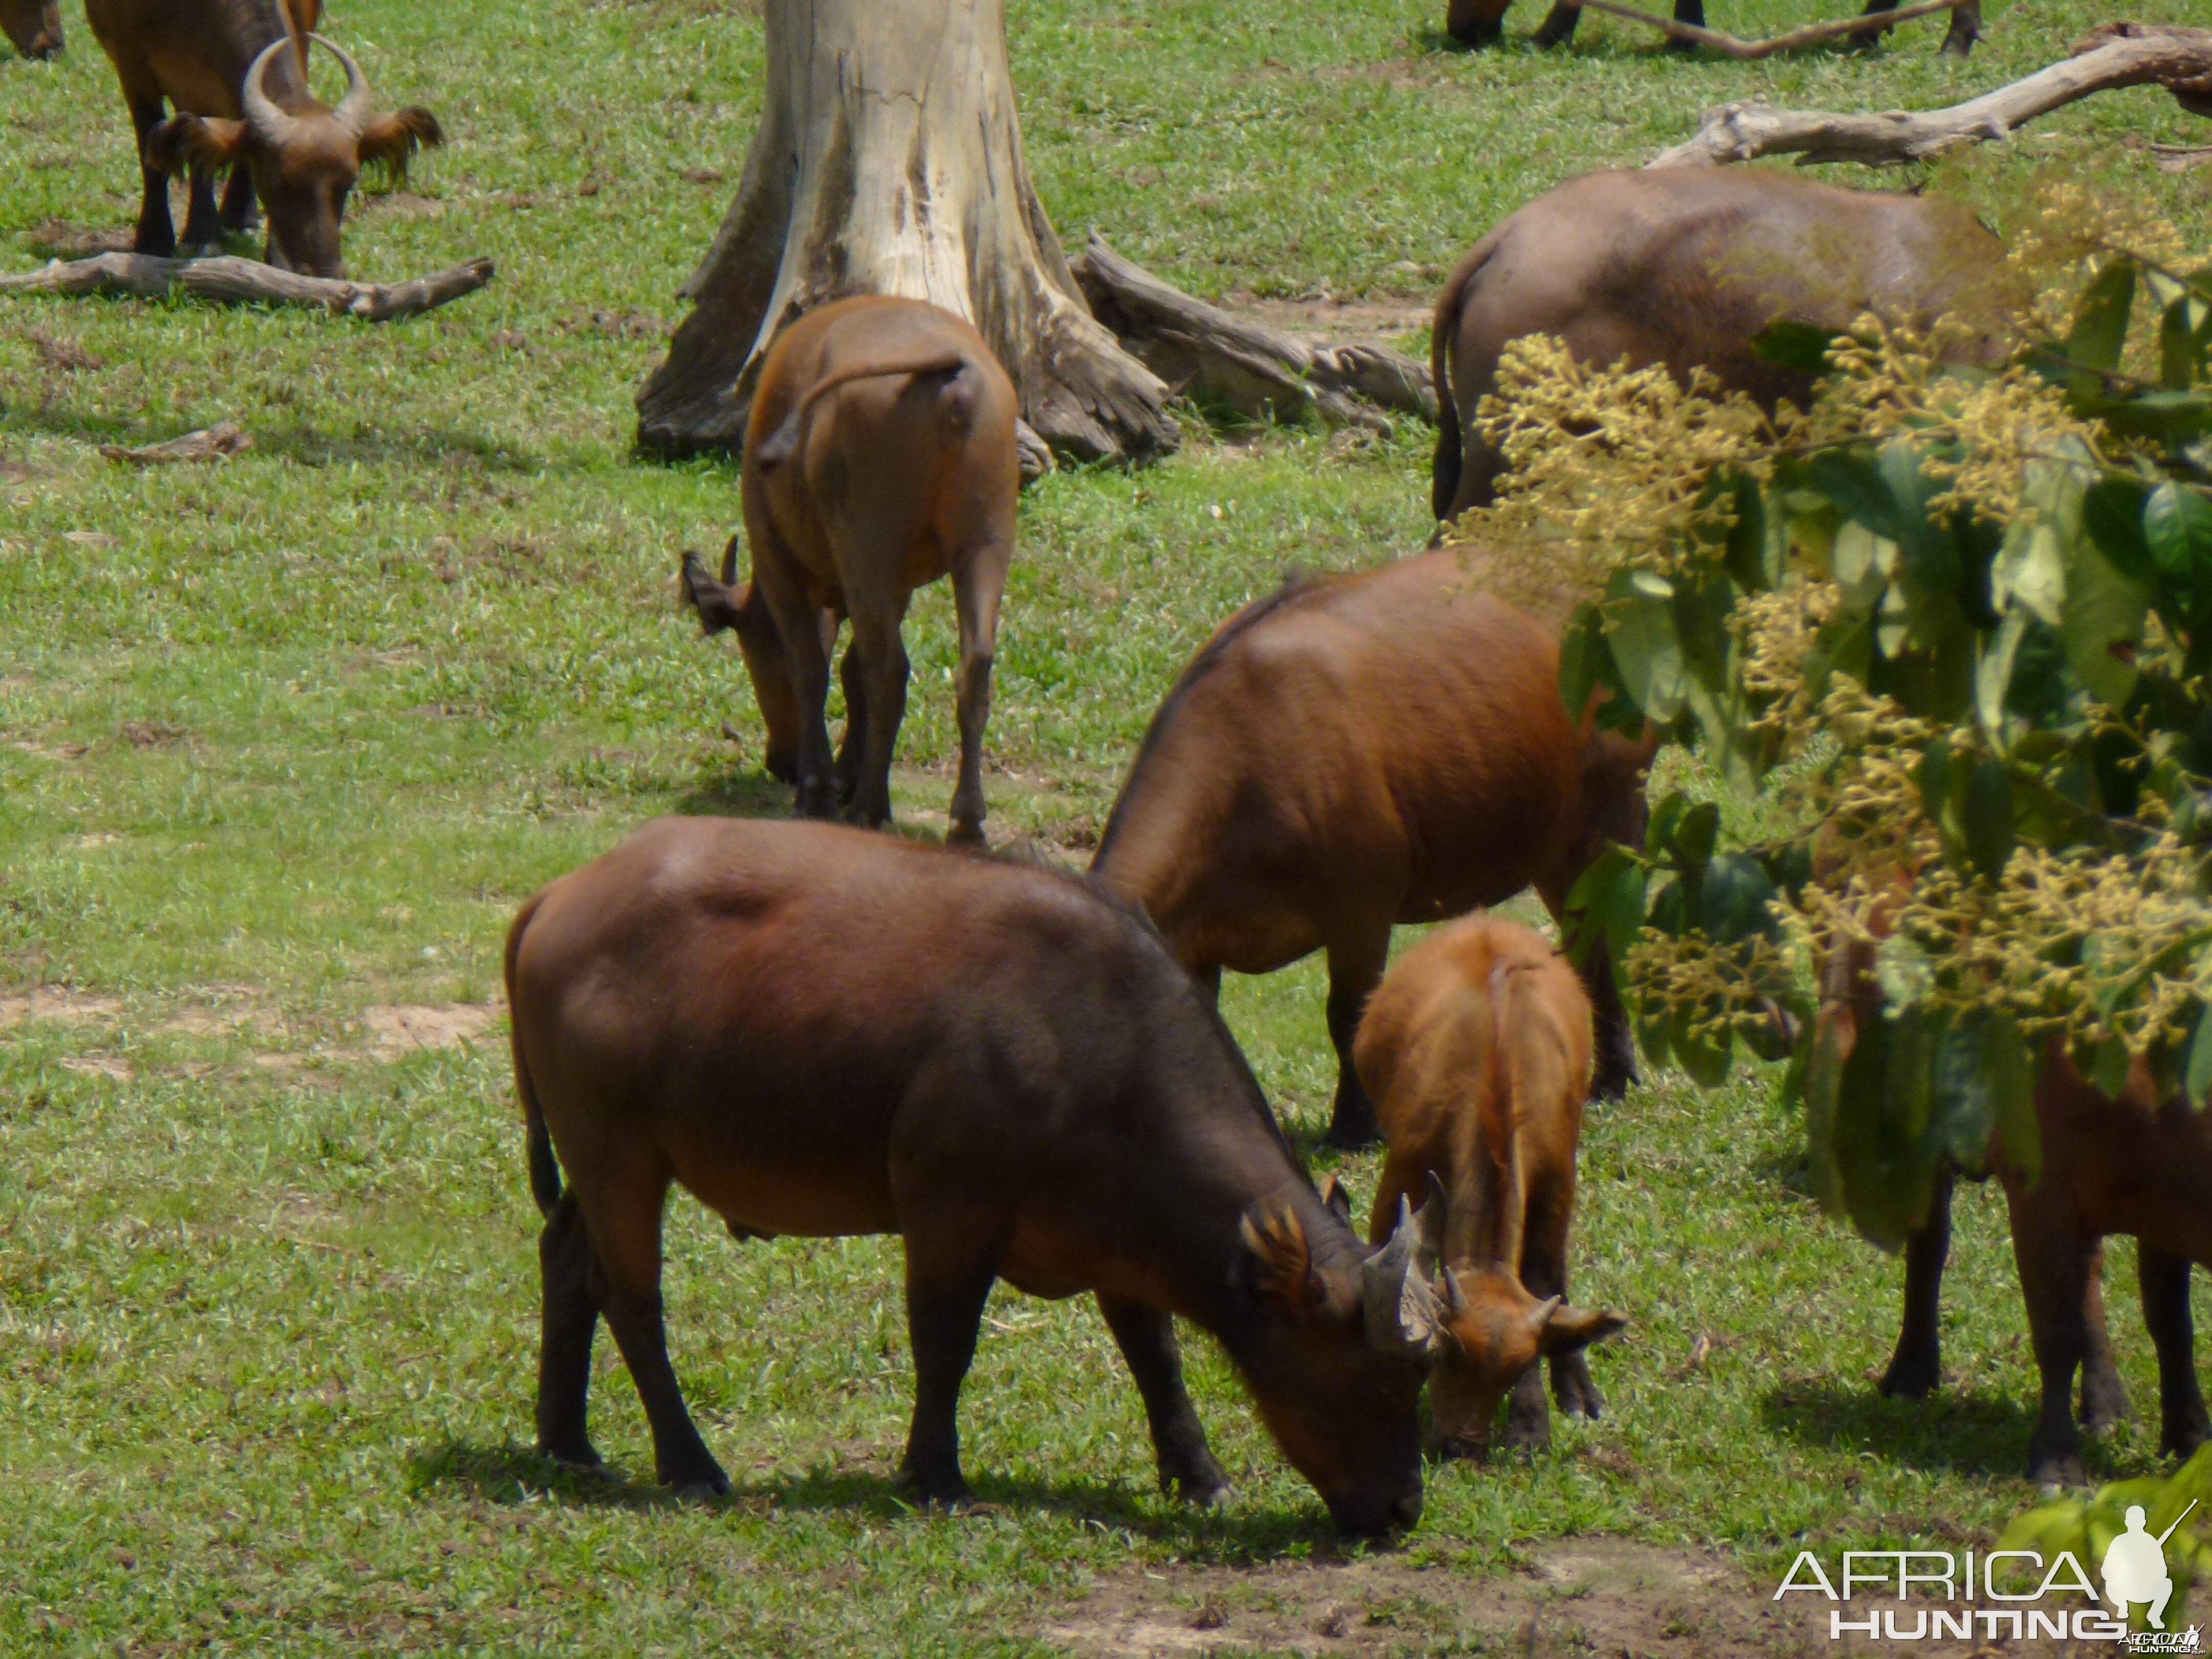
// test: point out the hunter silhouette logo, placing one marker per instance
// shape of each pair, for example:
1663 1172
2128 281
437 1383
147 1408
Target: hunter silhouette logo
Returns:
2134 1567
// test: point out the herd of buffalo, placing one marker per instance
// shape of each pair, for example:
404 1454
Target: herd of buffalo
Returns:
822 1031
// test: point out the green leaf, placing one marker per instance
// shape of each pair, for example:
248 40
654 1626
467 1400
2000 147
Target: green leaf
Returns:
1585 659
2100 320
1707 1061
2011 1079
1854 481
2177 527
1887 1148
1802 346
1964 1106
1985 817
2112 514
1993 671
1659 829
2196 1081
2180 357
1734 904
1644 644
1695 837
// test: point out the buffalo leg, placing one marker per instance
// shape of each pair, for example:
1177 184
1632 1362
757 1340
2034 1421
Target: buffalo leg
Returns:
1559 26
806 657
1146 1338
883 669
157 232
625 1283
1472 23
1869 39
1616 1038
2054 1272
1917 1365
240 212
1355 968
852 676
2183 1424
203 221
2104 1399
1686 11
1966 28
944 1307
977 584
569 1321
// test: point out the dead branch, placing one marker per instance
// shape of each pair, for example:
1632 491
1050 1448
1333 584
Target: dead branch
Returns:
2111 55
1735 47
247 282
1260 373
209 443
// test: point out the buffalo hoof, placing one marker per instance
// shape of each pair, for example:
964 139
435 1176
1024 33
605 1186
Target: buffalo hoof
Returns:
970 836
1531 1433
1201 1485
582 1458
2181 1438
1576 1395
697 1485
2104 1400
1486 32
952 1496
1460 1448
199 249
2056 1471
1910 1376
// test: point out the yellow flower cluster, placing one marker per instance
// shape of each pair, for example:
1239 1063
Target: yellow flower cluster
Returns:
1717 989
1778 630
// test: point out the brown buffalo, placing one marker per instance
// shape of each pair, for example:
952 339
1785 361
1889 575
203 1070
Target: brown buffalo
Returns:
1480 23
236 72
1686 266
1357 752
1476 1051
822 1032
879 455
32 26
2130 1166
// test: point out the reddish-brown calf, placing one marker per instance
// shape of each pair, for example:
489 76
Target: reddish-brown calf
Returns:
1476 1051
879 455
1357 752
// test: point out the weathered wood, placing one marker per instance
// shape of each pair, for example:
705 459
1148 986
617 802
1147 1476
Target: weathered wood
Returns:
209 443
2112 54
1215 356
1735 47
228 281
888 160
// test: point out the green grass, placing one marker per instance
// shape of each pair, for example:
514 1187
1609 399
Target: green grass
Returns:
285 741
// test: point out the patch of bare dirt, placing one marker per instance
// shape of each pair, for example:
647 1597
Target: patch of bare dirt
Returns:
1372 319
407 1030
58 239
1580 1597
51 1002
106 1066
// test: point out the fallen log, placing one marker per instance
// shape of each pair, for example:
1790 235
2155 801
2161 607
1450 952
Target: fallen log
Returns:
229 280
1753 49
1261 373
2111 55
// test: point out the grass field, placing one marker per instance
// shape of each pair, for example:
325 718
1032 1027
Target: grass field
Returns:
283 742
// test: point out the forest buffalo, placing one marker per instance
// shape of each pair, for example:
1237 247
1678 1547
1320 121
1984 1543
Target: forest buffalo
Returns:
1357 752
822 1032
236 72
1480 23
1687 266
32 26
1476 1051
879 455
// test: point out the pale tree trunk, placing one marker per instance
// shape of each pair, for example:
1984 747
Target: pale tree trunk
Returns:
889 160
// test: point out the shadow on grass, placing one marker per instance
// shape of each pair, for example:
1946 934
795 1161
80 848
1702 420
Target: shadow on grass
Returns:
1982 1434
414 450
510 1474
736 793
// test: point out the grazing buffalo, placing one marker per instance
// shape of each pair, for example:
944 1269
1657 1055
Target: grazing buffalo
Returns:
1357 752
1686 266
822 1032
2130 1166
32 26
236 72
1480 22
1476 1051
879 455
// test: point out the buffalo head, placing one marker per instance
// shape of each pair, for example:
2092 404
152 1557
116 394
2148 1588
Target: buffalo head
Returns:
734 605
34 26
304 160
1478 1328
1342 1406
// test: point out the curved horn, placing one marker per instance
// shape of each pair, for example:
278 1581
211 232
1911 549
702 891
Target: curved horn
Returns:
1403 1315
353 110
272 125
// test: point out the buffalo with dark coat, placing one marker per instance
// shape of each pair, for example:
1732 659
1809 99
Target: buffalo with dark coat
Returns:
33 27
236 72
1357 752
1480 23
820 1032
880 457
1687 266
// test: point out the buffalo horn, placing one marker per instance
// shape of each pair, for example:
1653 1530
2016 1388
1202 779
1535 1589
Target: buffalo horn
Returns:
1403 1315
272 125
354 109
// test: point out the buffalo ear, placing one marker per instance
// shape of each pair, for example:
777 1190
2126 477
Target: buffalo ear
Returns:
1338 1200
194 140
1568 1330
1282 1263
391 138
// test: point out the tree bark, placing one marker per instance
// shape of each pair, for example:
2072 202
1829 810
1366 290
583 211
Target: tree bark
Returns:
889 160
2111 55
248 281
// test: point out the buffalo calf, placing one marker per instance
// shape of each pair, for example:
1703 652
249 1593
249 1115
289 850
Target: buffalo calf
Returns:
822 1032
1476 1051
1357 752
879 455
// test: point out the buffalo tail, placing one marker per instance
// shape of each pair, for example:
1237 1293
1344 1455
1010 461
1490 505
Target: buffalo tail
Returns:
544 1168
1451 451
